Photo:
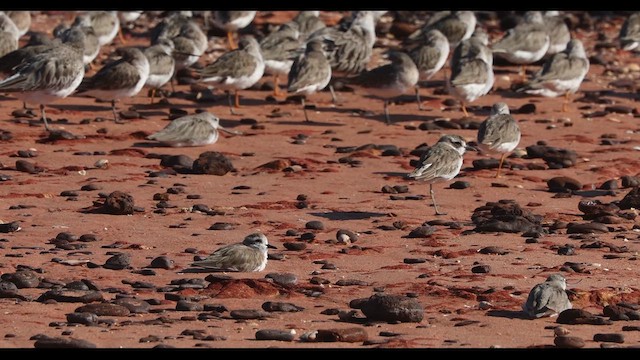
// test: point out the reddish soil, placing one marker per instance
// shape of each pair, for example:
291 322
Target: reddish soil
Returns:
340 195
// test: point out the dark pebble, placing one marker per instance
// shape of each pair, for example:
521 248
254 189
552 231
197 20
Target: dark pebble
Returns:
567 250
563 184
587 228
527 109
134 306
314 225
222 226
212 163
494 250
278 335
104 309
71 296
285 279
294 245
619 109
351 282
69 193
422 232
481 269
247 314
119 203
25 166
84 318
91 187
22 279
76 285
615 338
351 335
630 181
184 305
273 306
392 308
177 162
459 185
61 343
118 261
387 189
161 262
414 260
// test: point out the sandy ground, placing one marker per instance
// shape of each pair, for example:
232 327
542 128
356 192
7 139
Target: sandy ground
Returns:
462 309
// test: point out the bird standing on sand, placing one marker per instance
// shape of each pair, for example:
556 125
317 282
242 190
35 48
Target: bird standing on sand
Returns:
499 133
548 298
248 256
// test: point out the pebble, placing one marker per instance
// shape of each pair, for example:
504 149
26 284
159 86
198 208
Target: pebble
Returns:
212 163
28 167
459 185
314 225
119 203
222 226
294 245
346 236
587 228
84 318
414 260
613 337
561 331
103 309
481 269
22 279
392 308
351 282
72 296
351 335
248 314
422 232
134 306
563 184
284 279
62 343
161 262
629 181
278 335
118 262
493 250
185 305
276 306
571 342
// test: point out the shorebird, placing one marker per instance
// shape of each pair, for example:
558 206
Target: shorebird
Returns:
231 22
629 35
161 64
390 80
499 133
104 23
235 70
442 162
278 50
558 31
308 23
310 72
118 79
526 43
53 73
455 26
127 18
429 56
561 75
548 298
9 35
191 130
248 256
471 71
91 43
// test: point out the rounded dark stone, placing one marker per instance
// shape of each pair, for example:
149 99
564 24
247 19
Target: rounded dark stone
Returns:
285 279
134 306
10 227
103 309
566 250
481 269
8 286
294 245
177 161
563 184
630 181
459 185
495 250
119 203
185 305
314 225
161 262
25 166
88 238
212 163
248 314
222 226
613 337
527 109
76 285
118 262
392 308
84 318
22 279
422 232
587 228
414 260
571 342
91 187
276 306
81 296
346 236
308 236
62 343
278 335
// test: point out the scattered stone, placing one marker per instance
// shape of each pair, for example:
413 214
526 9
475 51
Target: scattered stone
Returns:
119 203
422 232
284 279
71 296
134 306
278 335
346 236
580 316
505 216
563 184
62 343
10 227
184 305
615 338
351 335
587 228
84 318
22 279
631 200
314 225
103 309
481 269
161 262
118 262
392 308
276 306
212 163
571 342
495 250
247 314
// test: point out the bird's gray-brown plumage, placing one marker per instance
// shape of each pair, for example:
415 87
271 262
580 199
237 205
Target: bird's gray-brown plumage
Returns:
22 20
105 24
442 162
455 26
231 22
278 51
390 80
248 256
308 23
91 42
118 79
429 55
559 34
46 76
310 72
629 35
548 298
237 69
499 133
190 130
161 64
560 75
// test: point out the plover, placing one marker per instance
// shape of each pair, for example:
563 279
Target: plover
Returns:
442 162
191 130
231 22
118 79
91 43
526 43
499 133
390 80
471 71
456 26
308 22
278 50
310 72
558 31
105 24
161 64
247 256
548 298
429 56
235 70
562 74
629 35
52 73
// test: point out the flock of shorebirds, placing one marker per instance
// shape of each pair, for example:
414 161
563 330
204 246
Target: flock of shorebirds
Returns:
309 55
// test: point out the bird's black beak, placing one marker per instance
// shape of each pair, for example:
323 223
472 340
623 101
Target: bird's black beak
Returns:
471 148
271 246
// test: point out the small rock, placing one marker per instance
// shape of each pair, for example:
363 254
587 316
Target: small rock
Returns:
161 262
346 236
119 203
314 225
83 318
184 305
615 338
284 279
71 296
460 185
22 279
134 306
571 342
278 335
62 343
118 262
563 184
587 228
422 232
481 269
392 308
212 163
103 309
273 306
247 314
351 335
